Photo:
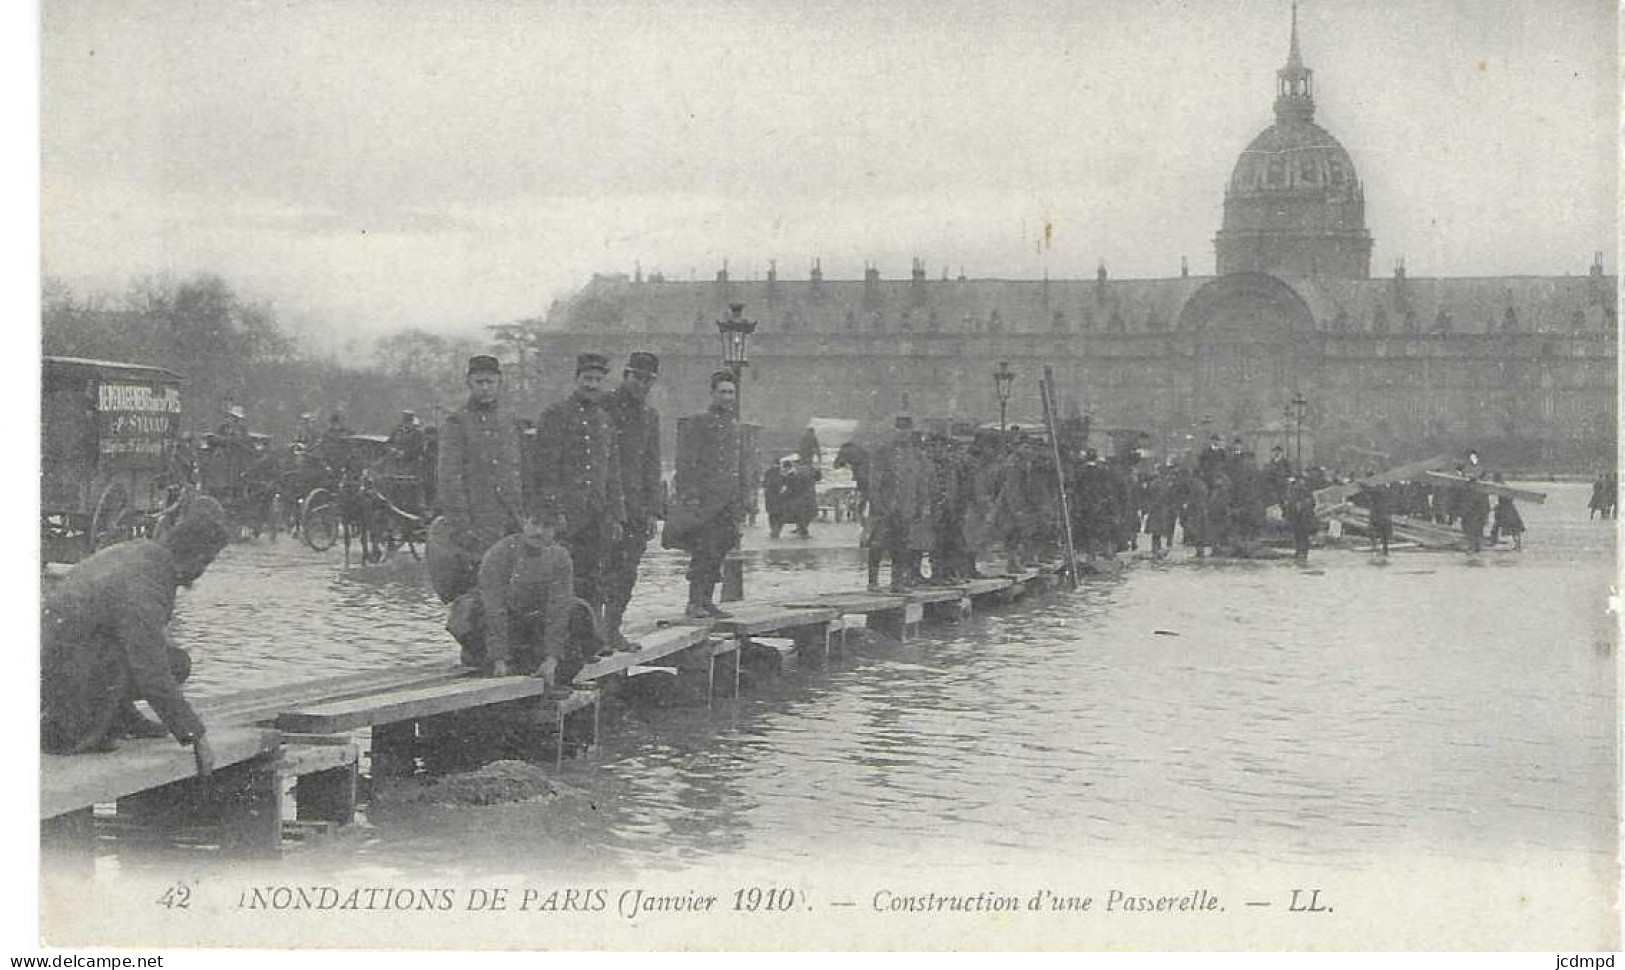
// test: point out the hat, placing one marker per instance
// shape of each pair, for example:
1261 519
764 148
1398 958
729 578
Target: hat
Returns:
643 362
409 413
903 423
590 361
789 459
236 411
307 416
484 364
717 377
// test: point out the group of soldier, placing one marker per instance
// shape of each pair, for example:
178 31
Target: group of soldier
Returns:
543 526
948 498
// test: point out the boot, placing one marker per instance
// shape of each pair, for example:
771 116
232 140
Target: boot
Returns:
697 594
613 638
709 604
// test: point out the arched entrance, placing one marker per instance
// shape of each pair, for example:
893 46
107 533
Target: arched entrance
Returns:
1245 367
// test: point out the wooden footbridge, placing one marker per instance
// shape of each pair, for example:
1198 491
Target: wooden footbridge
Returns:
304 745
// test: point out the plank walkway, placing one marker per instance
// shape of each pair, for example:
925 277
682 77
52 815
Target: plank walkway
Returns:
307 732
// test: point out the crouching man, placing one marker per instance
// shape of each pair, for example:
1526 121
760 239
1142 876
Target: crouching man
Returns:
104 642
524 616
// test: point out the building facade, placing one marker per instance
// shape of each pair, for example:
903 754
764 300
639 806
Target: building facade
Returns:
1522 367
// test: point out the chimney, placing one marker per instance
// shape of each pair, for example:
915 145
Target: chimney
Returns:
637 271
772 280
1184 267
1399 270
1596 264
722 274
871 284
817 275
919 270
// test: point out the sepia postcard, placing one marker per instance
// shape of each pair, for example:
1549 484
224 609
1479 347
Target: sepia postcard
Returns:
1134 475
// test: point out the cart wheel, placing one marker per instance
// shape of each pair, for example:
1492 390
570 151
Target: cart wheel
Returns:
108 524
319 520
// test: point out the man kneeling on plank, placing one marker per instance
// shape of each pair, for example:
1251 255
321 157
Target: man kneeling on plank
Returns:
104 642
524 617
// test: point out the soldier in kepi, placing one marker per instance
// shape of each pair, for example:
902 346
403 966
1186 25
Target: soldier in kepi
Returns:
637 439
710 502
104 642
477 482
575 477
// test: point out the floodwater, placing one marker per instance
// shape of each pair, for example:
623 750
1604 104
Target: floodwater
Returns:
1432 706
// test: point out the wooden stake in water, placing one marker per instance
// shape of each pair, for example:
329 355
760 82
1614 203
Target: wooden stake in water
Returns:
1046 387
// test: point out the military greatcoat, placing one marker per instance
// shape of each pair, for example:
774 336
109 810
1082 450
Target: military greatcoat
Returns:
637 441
478 482
576 472
709 485
103 643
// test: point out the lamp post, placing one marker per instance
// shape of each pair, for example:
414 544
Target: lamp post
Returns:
735 332
1003 379
1299 408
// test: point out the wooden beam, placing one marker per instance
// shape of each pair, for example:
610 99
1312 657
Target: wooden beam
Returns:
71 782
1491 488
652 645
772 619
1338 494
390 707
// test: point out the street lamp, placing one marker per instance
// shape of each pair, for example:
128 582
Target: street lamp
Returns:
735 332
1003 378
1300 407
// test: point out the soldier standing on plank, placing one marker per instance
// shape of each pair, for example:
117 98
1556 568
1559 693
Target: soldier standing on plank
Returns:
575 477
637 440
477 482
711 500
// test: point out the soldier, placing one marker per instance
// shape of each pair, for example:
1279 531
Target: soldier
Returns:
637 440
951 558
477 482
775 485
799 497
1193 520
710 502
900 508
575 476
1162 508
104 644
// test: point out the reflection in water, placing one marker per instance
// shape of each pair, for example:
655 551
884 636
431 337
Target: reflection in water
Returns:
1432 703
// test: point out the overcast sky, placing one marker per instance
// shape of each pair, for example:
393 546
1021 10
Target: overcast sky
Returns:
373 165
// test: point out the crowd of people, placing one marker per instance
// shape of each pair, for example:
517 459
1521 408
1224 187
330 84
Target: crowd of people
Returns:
542 526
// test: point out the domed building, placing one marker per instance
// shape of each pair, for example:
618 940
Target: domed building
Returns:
1295 204
1521 367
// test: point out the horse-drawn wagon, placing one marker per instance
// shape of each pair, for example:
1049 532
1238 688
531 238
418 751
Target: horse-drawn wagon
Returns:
109 463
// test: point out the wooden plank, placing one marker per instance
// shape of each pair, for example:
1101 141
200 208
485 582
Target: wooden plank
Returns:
985 587
71 782
1428 534
307 759
391 707
652 645
745 622
265 704
1338 494
934 594
1491 488
853 603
